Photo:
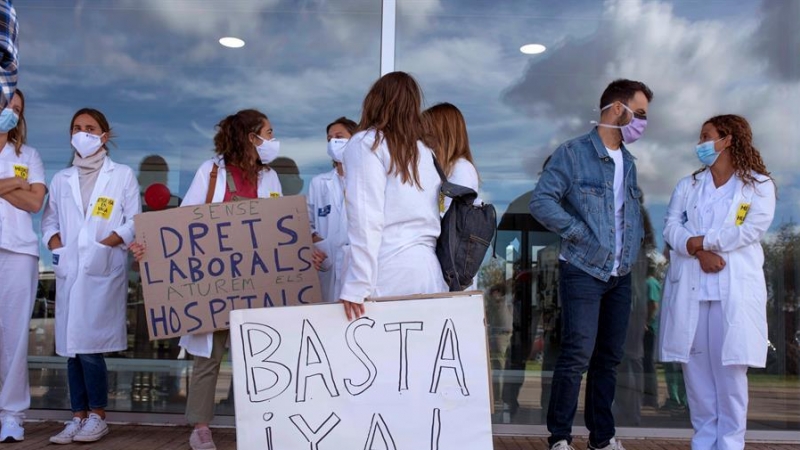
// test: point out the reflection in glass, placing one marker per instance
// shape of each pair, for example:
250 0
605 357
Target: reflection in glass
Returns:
157 70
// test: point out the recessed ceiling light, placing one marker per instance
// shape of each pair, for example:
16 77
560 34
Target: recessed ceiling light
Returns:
231 42
532 49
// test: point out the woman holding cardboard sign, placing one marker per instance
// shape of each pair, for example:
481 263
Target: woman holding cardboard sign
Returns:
713 317
87 224
22 190
392 199
244 146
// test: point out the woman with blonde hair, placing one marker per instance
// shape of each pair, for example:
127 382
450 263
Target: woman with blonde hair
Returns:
392 197
446 134
713 317
22 190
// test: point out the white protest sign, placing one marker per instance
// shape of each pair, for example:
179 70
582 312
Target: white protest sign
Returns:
410 375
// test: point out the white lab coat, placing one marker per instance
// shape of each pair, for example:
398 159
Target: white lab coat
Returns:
326 212
91 278
200 344
392 226
743 292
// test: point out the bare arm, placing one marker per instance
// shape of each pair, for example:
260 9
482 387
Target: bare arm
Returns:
30 200
112 240
12 184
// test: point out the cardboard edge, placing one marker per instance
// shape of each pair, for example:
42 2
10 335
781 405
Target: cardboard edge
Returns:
425 296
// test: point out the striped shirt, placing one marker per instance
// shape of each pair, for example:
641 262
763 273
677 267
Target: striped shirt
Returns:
8 52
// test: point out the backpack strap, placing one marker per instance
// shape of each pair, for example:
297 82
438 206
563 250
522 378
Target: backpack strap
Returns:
451 219
212 184
439 170
231 183
452 190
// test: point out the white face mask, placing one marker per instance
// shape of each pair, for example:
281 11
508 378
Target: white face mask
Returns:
268 150
336 149
86 144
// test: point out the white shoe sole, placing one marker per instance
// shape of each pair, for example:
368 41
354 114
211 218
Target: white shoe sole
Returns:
11 439
92 438
60 441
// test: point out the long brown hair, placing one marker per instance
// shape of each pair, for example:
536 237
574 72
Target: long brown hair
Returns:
446 134
19 134
392 109
744 156
101 120
232 142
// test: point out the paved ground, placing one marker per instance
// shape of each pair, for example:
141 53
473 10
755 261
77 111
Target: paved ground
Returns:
177 438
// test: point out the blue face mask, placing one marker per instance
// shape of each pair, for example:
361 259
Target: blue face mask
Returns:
8 120
706 152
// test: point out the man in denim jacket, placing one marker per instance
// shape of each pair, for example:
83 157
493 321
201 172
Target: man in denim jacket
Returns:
589 195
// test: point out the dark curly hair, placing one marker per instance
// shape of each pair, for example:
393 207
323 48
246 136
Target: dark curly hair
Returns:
232 142
744 156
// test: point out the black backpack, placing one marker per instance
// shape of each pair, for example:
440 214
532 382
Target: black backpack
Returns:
467 232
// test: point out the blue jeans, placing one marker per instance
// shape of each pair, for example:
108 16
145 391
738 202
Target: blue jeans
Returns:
88 382
594 322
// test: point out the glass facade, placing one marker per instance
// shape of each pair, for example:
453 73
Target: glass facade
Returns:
157 71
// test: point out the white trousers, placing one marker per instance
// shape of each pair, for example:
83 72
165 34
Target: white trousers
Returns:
717 394
20 275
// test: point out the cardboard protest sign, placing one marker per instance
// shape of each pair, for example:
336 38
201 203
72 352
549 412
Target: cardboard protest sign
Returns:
411 374
204 261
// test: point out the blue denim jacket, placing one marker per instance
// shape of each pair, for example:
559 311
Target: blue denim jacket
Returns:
575 198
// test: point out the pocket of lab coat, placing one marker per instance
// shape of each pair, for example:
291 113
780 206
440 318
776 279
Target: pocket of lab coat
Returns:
675 264
60 262
98 261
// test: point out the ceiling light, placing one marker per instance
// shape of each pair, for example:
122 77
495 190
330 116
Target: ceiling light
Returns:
532 49
231 42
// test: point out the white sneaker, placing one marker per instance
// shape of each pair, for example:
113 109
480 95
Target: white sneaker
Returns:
70 430
11 430
562 445
92 430
613 444
201 440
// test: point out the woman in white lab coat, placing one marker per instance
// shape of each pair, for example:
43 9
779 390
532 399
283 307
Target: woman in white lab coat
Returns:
22 190
326 211
713 317
392 199
244 146
88 224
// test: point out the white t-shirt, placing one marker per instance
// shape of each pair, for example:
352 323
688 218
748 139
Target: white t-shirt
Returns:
619 203
465 174
16 226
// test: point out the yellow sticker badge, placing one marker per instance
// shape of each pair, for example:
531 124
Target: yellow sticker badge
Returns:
742 213
441 203
21 171
103 208
274 195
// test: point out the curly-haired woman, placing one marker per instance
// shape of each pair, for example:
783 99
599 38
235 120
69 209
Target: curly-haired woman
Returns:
713 319
244 146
